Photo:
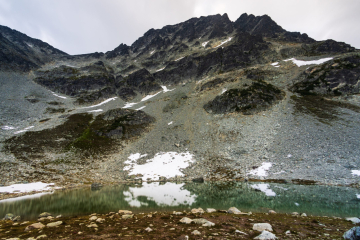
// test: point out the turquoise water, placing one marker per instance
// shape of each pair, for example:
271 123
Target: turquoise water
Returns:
145 197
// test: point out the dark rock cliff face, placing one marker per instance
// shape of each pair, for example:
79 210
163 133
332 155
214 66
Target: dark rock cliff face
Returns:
18 52
83 134
255 98
336 77
75 82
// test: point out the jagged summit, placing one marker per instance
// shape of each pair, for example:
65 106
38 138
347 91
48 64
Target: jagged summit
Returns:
21 52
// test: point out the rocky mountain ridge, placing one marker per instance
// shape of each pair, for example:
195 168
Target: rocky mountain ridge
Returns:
231 94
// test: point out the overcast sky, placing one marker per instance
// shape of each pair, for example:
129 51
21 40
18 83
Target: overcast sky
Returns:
85 26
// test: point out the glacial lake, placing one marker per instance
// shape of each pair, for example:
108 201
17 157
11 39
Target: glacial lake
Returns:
146 197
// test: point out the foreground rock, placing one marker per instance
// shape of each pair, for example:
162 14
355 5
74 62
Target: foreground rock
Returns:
352 234
265 235
262 227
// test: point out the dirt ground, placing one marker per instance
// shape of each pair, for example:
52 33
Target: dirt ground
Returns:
165 225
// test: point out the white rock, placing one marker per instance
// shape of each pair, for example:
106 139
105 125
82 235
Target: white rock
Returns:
240 232
148 229
354 220
197 210
92 225
210 210
54 224
303 215
100 220
265 235
272 212
234 210
186 220
262 227
93 218
208 224
196 232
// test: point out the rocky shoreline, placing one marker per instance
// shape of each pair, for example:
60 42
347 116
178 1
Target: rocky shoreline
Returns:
191 224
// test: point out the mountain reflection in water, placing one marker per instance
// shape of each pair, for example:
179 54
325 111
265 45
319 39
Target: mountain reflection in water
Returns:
146 197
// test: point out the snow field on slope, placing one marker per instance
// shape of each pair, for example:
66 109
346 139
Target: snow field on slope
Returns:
164 164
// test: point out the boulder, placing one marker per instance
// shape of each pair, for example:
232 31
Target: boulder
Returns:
92 225
125 212
210 210
148 229
54 224
234 210
44 215
34 226
127 216
186 220
100 220
354 220
352 234
265 235
93 218
262 227
196 232
197 210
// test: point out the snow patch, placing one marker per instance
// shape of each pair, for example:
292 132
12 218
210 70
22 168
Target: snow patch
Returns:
224 90
97 110
300 63
165 89
265 188
170 123
222 43
140 108
261 171
166 164
32 196
204 44
149 96
179 59
102 103
160 69
58 95
7 128
275 63
168 194
129 105
358 196
152 52
136 156
28 187
297 204
355 172
24 130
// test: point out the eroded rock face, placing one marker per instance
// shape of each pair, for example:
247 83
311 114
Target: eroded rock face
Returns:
336 77
81 132
255 98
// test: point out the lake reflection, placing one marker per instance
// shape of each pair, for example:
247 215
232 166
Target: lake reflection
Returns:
145 197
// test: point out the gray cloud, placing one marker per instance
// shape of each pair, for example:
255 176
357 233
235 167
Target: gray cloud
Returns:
84 26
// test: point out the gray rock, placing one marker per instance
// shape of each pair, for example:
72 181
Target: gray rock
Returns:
41 236
197 210
262 227
54 224
354 220
208 224
200 220
272 212
294 214
352 234
92 225
100 220
34 226
125 212
234 210
303 215
126 216
9 216
196 232
210 210
186 220
44 215
265 235
93 218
